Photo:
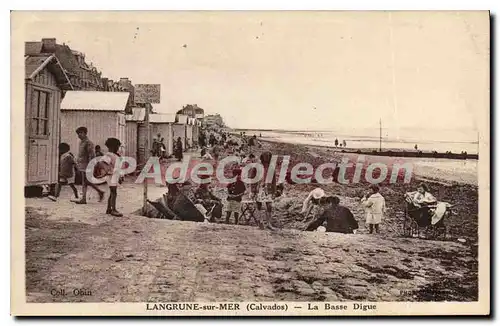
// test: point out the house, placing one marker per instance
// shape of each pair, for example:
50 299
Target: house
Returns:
103 113
83 75
199 115
214 121
189 132
45 82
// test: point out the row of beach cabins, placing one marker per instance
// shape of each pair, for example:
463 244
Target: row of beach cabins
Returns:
103 113
51 118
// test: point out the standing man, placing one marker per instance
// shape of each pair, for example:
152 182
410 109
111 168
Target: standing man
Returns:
85 155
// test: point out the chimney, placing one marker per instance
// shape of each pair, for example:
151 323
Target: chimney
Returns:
49 45
124 82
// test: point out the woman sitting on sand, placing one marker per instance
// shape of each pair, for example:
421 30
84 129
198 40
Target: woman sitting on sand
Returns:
312 203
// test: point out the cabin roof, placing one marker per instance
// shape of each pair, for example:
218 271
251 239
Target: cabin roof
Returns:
162 118
94 101
34 64
138 114
182 119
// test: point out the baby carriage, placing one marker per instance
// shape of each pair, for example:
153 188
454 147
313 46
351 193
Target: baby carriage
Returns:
426 221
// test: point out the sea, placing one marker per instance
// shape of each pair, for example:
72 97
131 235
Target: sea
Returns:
453 140
456 141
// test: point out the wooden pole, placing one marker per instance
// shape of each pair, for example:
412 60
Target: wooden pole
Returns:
146 156
380 136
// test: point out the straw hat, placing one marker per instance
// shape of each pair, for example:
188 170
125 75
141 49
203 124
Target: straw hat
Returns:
318 193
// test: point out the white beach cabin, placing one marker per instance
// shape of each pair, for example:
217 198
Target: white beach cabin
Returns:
132 123
102 113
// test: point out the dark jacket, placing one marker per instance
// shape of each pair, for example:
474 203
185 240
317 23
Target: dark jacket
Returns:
338 219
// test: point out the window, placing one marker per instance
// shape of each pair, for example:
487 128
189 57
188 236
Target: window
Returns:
40 113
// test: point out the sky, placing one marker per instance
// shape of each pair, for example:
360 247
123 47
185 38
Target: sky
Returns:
293 70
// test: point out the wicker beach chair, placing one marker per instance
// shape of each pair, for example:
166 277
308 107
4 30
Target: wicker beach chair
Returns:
426 222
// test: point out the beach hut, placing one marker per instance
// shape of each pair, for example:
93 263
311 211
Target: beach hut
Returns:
132 122
159 124
179 128
189 131
103 113
45 81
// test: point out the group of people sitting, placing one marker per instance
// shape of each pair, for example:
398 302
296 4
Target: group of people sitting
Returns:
227 144
211 206
340 219
325 209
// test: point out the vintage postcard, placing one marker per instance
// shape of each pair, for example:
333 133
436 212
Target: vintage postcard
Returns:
251 163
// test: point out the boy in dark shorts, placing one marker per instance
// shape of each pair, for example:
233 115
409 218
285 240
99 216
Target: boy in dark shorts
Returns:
66 171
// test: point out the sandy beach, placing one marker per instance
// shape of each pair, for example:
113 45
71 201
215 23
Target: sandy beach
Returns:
163 260
458 187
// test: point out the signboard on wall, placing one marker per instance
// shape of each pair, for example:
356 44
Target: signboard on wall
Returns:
147 93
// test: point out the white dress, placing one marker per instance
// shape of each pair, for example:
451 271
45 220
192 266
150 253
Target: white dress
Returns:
374 207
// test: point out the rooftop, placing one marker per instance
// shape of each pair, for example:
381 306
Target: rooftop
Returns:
94 101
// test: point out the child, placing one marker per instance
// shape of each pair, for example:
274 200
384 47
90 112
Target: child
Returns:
113 146
374 204
98 151
66 171
235 194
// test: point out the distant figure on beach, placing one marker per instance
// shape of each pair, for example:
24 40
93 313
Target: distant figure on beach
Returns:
212 140
336 142
178 149
252 141
416 147
216 151
344 142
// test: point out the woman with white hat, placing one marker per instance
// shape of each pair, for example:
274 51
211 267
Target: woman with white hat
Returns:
312 201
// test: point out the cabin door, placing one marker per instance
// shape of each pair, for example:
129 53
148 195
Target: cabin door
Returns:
121 134
38 127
